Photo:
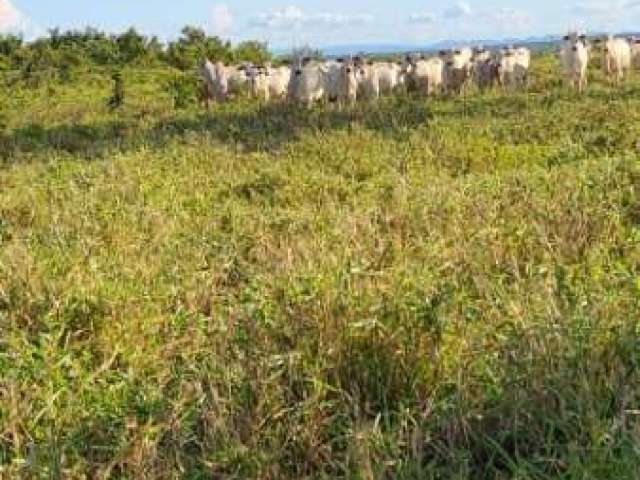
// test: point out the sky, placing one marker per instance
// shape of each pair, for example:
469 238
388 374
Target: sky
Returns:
292 23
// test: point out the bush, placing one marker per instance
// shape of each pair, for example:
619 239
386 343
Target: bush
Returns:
91 46
182 89
117 97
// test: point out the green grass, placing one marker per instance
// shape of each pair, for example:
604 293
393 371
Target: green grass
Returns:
416 289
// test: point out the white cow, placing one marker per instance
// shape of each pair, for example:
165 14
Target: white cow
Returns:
221 81
390 77
308 83
486 73
368 81
484 68
341 81
332 81
426 76
269 82
278 81
480 54
210 90
616 58
258 83
457 69
237 78
634 42
574 55
513 67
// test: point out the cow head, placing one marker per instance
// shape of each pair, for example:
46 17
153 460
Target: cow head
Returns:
575 41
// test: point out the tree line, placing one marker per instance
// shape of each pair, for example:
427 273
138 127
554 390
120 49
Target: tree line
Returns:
65 50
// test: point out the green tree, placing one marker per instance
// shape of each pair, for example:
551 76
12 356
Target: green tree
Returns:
252 51
193 45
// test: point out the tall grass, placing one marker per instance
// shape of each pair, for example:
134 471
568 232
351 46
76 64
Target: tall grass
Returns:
416 289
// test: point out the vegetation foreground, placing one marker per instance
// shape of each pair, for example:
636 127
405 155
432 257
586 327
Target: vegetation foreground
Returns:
414 289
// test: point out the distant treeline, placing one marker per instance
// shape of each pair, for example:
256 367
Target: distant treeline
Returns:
74 48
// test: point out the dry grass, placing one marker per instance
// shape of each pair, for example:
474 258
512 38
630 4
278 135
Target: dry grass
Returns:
440 289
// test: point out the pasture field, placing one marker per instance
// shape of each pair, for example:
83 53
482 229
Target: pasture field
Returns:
412 289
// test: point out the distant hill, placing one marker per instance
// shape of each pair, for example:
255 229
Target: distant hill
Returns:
535 43
391 48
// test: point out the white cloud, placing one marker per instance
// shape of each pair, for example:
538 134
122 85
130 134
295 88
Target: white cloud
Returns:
512 18
607 15
604 8
294 17
11 19
222 20
459 10
597 8
289 16
467 21
338 19
422 18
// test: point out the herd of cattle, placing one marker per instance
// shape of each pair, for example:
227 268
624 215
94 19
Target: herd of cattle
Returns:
348 80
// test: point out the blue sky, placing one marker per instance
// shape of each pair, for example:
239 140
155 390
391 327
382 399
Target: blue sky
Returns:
324 22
